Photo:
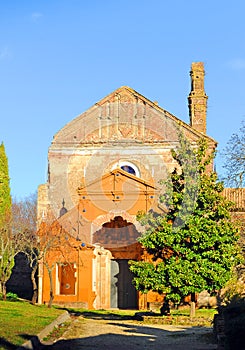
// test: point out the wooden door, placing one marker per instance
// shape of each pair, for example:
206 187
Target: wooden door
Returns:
67 279
123 293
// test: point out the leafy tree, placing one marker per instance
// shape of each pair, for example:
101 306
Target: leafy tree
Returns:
234 156
193 247
7 244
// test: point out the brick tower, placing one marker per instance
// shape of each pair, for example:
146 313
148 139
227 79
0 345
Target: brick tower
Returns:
197 99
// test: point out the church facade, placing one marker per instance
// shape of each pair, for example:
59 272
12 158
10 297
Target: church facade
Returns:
104 167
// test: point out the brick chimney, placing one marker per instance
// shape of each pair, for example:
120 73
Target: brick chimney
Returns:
197 99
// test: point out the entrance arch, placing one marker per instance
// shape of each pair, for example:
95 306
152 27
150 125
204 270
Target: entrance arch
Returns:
120 237
118 232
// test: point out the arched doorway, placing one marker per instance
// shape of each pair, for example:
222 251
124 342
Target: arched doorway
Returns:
120 237
116 233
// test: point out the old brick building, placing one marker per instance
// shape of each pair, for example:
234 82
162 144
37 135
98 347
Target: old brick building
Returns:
105 167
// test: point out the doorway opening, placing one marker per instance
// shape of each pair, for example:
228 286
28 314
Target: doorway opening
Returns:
120 237
123 292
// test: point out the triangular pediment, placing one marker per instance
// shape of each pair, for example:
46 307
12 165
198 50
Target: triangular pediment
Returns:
115 175
116 191
124 115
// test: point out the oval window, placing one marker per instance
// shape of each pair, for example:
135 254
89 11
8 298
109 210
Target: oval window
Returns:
128 169
127 166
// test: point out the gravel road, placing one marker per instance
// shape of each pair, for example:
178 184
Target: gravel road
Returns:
88 333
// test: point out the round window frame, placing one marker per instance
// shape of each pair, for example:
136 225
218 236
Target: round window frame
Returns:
129 164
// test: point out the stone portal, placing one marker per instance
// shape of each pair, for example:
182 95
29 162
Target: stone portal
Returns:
119 236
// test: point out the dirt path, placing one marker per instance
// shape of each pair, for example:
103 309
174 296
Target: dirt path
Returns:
110 334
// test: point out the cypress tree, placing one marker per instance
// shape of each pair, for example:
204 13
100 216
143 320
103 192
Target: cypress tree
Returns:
7 246
5 197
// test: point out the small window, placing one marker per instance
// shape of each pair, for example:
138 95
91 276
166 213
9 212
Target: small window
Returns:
67 278
128 169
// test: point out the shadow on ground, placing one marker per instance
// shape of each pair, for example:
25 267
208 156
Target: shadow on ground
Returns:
135 337
100 316
4 344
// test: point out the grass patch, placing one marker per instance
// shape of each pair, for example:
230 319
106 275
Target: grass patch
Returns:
203 318
200 313
206 313
20 320
57 332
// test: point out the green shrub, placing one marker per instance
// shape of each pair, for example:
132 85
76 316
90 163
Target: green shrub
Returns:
10 296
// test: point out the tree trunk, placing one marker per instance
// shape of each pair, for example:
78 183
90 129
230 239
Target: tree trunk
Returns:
193 305
51 292
34 285
4 291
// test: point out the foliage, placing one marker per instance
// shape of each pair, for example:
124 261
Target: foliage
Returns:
234 155
5 197
8 252
234 288
193 247
10 296
7 243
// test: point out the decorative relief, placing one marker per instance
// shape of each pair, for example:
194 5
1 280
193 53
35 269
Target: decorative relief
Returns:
121 116
123 132
126 130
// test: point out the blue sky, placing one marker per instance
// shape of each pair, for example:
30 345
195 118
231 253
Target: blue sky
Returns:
59 57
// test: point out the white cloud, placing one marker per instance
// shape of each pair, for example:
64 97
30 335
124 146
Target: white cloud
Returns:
4 53
35 16
237 64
